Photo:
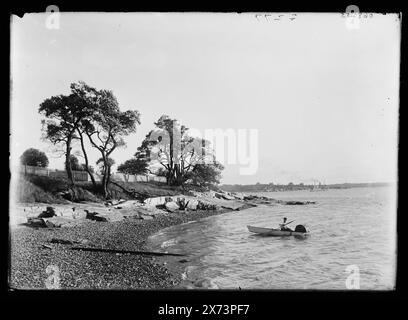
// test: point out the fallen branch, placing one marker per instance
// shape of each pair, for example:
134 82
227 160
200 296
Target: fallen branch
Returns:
150 253
135 194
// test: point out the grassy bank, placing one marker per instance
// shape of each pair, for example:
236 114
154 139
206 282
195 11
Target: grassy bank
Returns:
43 189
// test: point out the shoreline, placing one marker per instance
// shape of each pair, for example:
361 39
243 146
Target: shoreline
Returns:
41 251
32 252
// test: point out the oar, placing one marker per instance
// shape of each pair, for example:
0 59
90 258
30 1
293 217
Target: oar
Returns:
288 223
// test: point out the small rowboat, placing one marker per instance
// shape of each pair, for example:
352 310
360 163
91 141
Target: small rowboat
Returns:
275 232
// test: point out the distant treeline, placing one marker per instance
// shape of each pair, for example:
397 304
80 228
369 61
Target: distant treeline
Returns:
358 185
270 187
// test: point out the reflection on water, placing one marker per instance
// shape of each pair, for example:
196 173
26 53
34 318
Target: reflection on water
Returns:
348 227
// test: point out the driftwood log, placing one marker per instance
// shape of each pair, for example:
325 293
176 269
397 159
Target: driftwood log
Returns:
150 253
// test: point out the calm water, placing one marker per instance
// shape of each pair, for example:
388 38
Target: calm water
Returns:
348 227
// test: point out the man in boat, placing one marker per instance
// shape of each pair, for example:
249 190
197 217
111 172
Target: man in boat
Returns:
283 226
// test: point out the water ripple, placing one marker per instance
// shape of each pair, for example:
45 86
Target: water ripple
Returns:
348 227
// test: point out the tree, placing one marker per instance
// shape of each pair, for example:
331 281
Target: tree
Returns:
171 147
106 128
34 157
105 170
137 165
64 115
75 163
90 168
90 96
161 172
206 174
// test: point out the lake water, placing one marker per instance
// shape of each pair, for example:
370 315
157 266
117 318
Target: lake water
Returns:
353 236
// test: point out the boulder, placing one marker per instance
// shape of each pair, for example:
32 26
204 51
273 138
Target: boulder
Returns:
206 206
69 212
237 196
36 222
58 222
218 195
224 196
114 202
192 204
146 217
78 213
171 206
48 213
182 203
155 201
228 197
104 216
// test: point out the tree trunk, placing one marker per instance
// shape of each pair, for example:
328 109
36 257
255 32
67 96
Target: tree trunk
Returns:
105 176
68 167
104 187
108 176
86 159
178 176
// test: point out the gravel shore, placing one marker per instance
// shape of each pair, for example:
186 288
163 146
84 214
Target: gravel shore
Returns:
32 254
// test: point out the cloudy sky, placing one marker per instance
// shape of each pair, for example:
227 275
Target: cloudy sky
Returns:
322 97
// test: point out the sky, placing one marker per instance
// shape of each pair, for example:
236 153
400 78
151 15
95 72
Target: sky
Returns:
320 99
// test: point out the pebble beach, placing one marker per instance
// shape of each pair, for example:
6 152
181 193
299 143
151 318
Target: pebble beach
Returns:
34 252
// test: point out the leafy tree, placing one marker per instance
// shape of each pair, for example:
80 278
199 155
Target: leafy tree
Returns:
90 96
64 114
174 150
75 163
137 165
34 157
206 174
161 172
90 168
106 128
105 170
91 113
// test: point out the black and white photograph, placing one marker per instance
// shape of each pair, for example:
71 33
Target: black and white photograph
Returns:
204 151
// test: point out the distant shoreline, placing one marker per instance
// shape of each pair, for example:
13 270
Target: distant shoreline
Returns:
298 187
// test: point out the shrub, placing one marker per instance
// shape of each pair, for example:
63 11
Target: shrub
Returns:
34 157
